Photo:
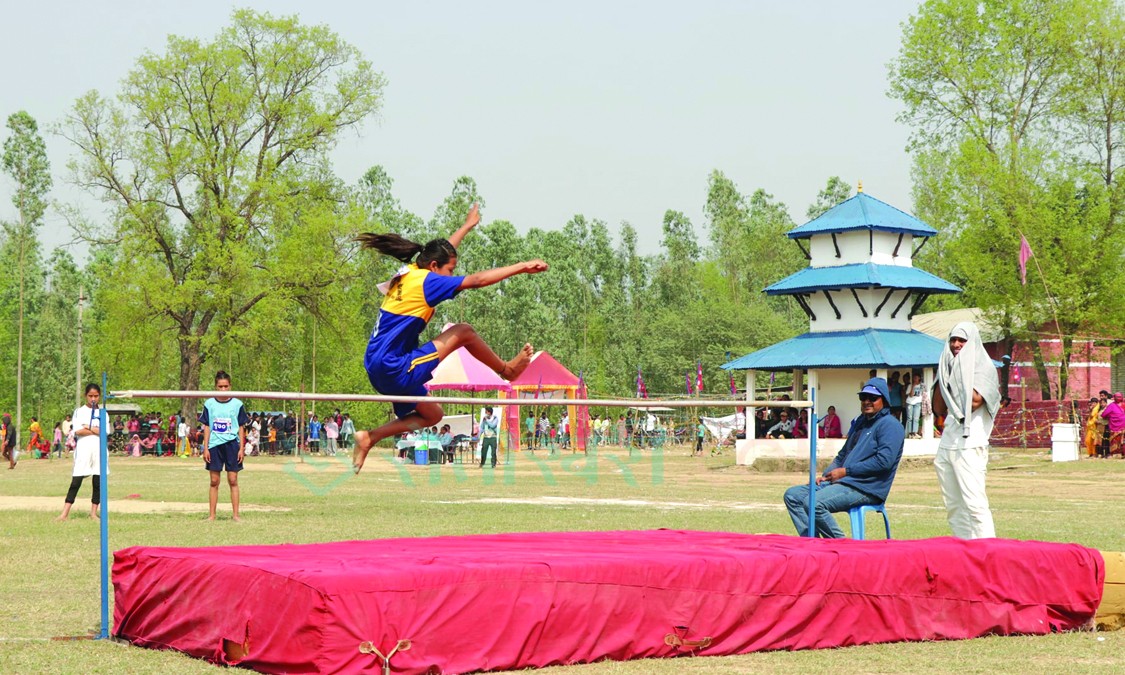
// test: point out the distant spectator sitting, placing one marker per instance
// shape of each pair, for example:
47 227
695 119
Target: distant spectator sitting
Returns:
801 430
446 440
148 444
784 428
830 424
761 422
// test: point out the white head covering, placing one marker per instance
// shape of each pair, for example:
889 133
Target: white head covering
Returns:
971 370
385 287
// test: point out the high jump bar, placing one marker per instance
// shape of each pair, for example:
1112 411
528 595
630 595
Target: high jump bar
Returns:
459 400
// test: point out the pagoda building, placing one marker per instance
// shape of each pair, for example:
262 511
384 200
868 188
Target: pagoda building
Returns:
859 291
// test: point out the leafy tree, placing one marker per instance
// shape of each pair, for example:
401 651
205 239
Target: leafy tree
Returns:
988 87
834 192
25 161
214 157
51 358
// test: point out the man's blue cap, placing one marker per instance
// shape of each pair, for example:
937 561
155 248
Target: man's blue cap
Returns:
878 386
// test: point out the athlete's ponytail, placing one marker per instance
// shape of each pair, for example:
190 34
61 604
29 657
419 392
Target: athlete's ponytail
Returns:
399 248
404 250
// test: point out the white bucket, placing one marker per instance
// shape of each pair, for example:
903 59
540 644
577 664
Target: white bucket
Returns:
1064 442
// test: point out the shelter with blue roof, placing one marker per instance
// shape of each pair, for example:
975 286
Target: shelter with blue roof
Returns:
859 291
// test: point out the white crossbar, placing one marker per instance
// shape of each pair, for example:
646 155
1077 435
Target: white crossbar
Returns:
462 400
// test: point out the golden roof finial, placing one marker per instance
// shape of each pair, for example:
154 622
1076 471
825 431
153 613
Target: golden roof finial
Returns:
860 188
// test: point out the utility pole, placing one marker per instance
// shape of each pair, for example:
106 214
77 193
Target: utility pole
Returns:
78 368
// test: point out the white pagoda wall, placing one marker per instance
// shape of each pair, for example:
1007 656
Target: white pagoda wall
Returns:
851 318
841 389
856 248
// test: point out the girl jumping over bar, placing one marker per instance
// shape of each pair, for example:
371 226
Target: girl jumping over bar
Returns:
395 364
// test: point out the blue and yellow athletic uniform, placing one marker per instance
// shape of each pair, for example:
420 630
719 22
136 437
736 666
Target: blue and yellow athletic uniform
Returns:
395 364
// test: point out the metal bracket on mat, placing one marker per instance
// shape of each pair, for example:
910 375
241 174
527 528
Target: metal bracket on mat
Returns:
370 648
679 639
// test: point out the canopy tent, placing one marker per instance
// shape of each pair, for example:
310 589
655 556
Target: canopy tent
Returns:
547 379
461 371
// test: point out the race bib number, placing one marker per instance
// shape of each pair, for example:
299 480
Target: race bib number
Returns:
221 426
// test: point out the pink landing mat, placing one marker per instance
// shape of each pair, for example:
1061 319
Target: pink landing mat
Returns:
506 601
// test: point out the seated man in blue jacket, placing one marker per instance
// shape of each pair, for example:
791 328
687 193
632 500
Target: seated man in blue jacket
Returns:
862 472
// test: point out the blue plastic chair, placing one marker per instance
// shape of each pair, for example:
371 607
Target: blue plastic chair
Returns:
857 515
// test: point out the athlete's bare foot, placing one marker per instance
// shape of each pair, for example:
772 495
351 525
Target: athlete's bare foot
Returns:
363 445
61 519
236 519
518 364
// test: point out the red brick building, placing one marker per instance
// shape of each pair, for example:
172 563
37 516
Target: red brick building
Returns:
1092 365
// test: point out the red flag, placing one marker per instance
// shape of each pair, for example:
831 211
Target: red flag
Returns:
1025 255
698 378
642 390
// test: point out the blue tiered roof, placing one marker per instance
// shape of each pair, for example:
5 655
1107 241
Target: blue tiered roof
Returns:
860 275
863 212
856 348
869 348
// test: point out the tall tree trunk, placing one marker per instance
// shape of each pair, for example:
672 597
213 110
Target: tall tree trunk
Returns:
1008 345
1067 346
191 362
1041 369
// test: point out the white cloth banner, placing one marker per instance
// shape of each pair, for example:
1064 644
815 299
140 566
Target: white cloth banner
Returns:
721 427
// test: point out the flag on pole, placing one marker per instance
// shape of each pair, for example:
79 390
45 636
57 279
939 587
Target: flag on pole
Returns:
698 378
687 382
1025 255
641 391
733 386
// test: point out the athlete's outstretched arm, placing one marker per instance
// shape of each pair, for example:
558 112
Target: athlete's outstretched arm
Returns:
489 277
471 221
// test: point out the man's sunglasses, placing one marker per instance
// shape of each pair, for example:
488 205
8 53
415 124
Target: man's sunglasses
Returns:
869 398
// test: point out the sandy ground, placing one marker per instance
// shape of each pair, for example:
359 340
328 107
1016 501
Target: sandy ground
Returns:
81 509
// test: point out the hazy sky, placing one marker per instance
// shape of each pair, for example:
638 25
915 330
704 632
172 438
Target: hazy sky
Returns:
616 110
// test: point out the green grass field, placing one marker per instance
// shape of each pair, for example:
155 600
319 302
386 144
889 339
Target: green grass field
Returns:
50 583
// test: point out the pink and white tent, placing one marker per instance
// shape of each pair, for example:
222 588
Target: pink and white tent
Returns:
461 371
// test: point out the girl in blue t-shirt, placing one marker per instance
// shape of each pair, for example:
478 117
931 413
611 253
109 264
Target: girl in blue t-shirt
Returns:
395 363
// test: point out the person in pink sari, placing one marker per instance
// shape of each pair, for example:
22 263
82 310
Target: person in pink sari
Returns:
1114 413
830 424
